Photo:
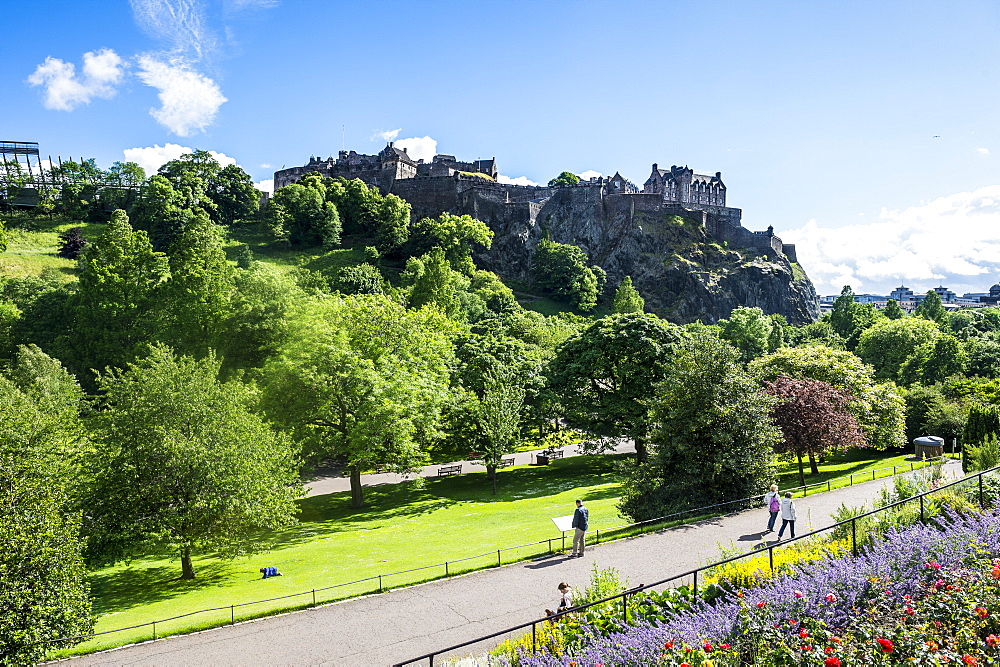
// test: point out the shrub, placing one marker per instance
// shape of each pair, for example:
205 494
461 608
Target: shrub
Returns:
751 572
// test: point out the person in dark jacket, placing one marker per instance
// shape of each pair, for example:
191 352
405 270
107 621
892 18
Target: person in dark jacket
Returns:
581 520
269 572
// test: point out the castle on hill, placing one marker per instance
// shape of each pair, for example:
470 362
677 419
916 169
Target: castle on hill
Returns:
446 184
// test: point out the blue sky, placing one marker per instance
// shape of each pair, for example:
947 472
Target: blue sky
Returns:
866 133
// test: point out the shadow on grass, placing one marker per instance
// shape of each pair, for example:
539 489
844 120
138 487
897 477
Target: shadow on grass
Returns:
119 590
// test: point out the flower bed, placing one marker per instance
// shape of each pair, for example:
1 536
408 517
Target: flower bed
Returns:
925 595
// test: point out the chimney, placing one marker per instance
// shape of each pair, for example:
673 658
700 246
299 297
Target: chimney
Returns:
654 166
718 174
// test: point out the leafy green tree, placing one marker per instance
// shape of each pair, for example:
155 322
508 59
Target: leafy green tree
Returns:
300 216
455 235
162 212
562 269
878 408
185 462
850 319
500 417
982 423
887 345
236 199
433 281
712 435
934 361
195 301
601 378
749 331
363 379
932 309
359 279
3 237
392 224
984 358
111 311
813 417
892 310
43 589
627 298
565 178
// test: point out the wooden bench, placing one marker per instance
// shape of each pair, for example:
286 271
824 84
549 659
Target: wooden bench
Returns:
444 471
506 463
557 454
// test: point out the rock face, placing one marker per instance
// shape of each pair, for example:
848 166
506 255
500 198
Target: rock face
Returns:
682 272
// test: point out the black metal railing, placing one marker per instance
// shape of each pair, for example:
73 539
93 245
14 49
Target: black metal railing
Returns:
976 478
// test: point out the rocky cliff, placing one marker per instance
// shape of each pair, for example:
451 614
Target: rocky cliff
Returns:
682 272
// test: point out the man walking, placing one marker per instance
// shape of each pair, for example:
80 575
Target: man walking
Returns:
581 520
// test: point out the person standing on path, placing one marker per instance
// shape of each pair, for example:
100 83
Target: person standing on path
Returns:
787 515
772 501
581 521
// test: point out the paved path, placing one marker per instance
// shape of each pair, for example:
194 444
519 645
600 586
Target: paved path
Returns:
402 624
335 482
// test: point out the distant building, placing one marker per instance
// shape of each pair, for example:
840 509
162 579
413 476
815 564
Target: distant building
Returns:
902 293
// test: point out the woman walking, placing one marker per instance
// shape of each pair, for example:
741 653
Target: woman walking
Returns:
787 515
772 501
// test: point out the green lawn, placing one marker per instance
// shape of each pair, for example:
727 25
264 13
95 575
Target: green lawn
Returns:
404 526
838 468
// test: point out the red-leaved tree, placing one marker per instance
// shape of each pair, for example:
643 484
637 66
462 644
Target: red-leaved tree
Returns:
813 418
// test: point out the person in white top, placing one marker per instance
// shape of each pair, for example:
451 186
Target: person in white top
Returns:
566 597
772 501
787 515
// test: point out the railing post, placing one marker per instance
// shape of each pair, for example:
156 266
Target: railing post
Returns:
696 583
893 471
154 631
921 508
550 545
534 643
232 614
873 475
911 466
981 504
770 557
446 568
852 480
828 487
564 541
314 597
498 558
854 537
598 536
625 608
380 583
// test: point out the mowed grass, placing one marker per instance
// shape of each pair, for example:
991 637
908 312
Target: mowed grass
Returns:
838 468
33 243
404 526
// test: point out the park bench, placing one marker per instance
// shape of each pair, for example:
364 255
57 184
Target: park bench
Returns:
506 463
557 454
544 459
444 471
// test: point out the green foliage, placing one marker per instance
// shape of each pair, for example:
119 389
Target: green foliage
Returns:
562 269
712 434
433 282
627 298
934 361
185 462
300 216
751 572
364 211
932 309
888 345
850 319
983 423
455 235
163 212
363 379
359 279
3 237
236 199
500 416
892 311
985 455
565 178
749 330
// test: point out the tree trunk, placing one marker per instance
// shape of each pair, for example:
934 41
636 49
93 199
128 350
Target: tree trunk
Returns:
641 451
187 567
492 472
357 492
813 466
802 472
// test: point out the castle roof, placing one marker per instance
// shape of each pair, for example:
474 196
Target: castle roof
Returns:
392 151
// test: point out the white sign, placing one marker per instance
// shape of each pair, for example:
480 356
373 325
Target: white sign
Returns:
563 523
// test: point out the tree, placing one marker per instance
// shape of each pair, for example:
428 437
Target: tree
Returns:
932 309
392 227
43 588
565 178
878 408
562 269
712 435
934 361
850 319
195 301
455 235
749 330
892 310
71 243
982 424
300 216
500 417
362 379
236 199
162 212
361 278
627 298
601 379
887 345
432 281
111 311
813 418
185 462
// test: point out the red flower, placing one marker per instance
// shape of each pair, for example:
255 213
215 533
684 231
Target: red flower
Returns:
685 664
807 648
909 611
885 644
760 605
831 662
830 597
804 634
996 571
725 647
981 612
933 566
708 648
668 645
835 640
969 660
993 640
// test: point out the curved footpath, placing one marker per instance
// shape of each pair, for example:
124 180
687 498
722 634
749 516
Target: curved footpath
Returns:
401 624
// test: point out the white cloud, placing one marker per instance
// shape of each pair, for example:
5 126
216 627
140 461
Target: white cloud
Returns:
589 174
265 165
983 151
419 148
954 240
180 23
153 157
520 180
267 185
64 90
189 100
386 135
